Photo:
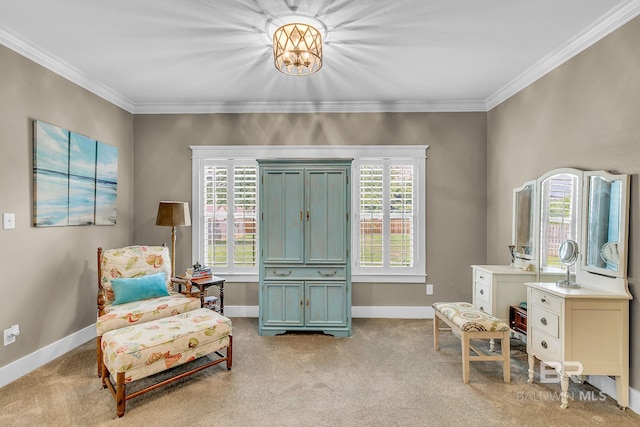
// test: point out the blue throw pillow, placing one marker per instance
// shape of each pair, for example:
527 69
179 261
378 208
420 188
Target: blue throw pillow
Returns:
138 288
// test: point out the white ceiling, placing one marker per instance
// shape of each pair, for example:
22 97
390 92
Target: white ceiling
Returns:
161 56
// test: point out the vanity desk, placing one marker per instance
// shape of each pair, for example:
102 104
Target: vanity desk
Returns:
497 287
585 325
579 326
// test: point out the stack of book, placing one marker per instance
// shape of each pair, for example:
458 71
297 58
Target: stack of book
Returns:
203 273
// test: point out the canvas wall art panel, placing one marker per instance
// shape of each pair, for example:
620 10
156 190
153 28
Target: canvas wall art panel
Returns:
82 179
106 184
75 178
50 175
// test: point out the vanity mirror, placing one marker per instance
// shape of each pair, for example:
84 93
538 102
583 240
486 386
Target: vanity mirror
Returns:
605 227
558 216
522 233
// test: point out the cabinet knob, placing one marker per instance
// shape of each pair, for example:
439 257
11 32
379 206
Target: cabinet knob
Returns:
481 308
543 299
277 273
482 276
307 302
481 291
543 321
331 273
544 344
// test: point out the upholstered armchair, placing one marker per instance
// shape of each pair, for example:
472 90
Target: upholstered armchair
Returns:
135 286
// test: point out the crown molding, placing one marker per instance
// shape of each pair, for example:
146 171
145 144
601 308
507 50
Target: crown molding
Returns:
63 69
602 27
310 107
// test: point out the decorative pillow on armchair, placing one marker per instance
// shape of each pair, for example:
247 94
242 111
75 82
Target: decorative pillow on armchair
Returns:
139 288
134 261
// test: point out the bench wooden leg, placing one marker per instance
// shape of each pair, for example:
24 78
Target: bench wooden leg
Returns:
465 357
436 330
506 354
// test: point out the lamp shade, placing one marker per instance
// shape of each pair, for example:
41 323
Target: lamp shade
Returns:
173 214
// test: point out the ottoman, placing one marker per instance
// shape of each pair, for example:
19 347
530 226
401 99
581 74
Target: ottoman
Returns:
138 351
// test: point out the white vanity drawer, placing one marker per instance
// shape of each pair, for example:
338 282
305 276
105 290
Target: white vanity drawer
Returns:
483 292
548 301
482 277
545 347
544 320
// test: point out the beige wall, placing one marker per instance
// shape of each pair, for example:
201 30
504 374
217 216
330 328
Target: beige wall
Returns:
456 176
49 275
584 114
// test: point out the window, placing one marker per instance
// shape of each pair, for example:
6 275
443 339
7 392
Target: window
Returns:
228 239
388 211
386 239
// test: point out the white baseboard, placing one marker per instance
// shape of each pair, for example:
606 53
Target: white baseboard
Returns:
241 310
392 312
33 361
608 386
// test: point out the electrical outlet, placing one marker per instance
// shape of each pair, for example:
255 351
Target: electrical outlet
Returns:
429 289
11 334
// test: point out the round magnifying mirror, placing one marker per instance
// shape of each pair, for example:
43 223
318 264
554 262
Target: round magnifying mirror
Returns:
568 253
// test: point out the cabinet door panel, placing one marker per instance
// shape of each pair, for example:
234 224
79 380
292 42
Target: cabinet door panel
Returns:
282 210
326 304
327 222
282 304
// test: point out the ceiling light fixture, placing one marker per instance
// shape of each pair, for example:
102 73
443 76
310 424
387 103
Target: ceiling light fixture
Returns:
297 49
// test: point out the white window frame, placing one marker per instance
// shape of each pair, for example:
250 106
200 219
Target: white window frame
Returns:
235 155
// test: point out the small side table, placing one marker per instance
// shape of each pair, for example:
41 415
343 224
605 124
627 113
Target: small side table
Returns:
203 285
518 319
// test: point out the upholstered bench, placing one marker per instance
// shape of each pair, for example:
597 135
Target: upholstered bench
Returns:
134 352
468 322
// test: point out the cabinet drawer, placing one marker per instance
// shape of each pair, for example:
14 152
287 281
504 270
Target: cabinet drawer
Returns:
483 293
548 301
305 272
544 320
483 277
545 347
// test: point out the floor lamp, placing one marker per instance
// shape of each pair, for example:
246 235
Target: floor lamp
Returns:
173 214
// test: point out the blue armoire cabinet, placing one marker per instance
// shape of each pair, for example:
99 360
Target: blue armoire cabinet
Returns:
305 237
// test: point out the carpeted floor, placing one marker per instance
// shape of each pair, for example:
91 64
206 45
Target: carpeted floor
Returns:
387 374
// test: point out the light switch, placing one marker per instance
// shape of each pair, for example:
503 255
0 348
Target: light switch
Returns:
8 221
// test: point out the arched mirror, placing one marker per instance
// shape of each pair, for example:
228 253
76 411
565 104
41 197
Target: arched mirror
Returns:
559 217
605 228
523 212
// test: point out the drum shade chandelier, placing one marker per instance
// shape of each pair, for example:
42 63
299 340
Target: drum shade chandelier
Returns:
297 49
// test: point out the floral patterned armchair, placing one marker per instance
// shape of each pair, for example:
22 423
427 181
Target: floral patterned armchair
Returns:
135 286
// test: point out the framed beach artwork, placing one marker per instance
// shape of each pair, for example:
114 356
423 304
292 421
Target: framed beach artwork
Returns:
106 183
74 178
